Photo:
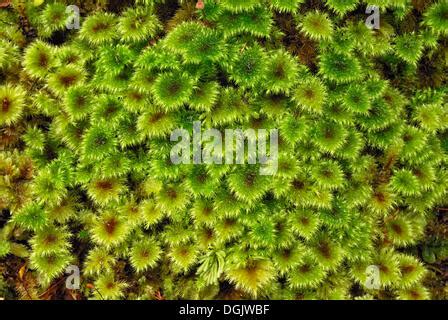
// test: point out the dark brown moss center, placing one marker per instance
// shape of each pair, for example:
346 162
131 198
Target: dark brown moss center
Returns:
6 105
111 225
67 80
104 185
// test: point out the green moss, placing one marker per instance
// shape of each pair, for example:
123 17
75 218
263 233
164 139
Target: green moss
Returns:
86 176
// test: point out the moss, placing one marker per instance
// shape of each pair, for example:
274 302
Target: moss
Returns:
86 176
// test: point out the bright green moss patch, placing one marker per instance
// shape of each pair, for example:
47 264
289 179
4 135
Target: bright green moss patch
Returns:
86 177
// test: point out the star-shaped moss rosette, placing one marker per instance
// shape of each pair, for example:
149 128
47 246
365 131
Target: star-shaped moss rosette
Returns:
86 118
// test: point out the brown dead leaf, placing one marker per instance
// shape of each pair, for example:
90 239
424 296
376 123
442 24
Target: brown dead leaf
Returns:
5 3
71 295
22 272
158 295
90 286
